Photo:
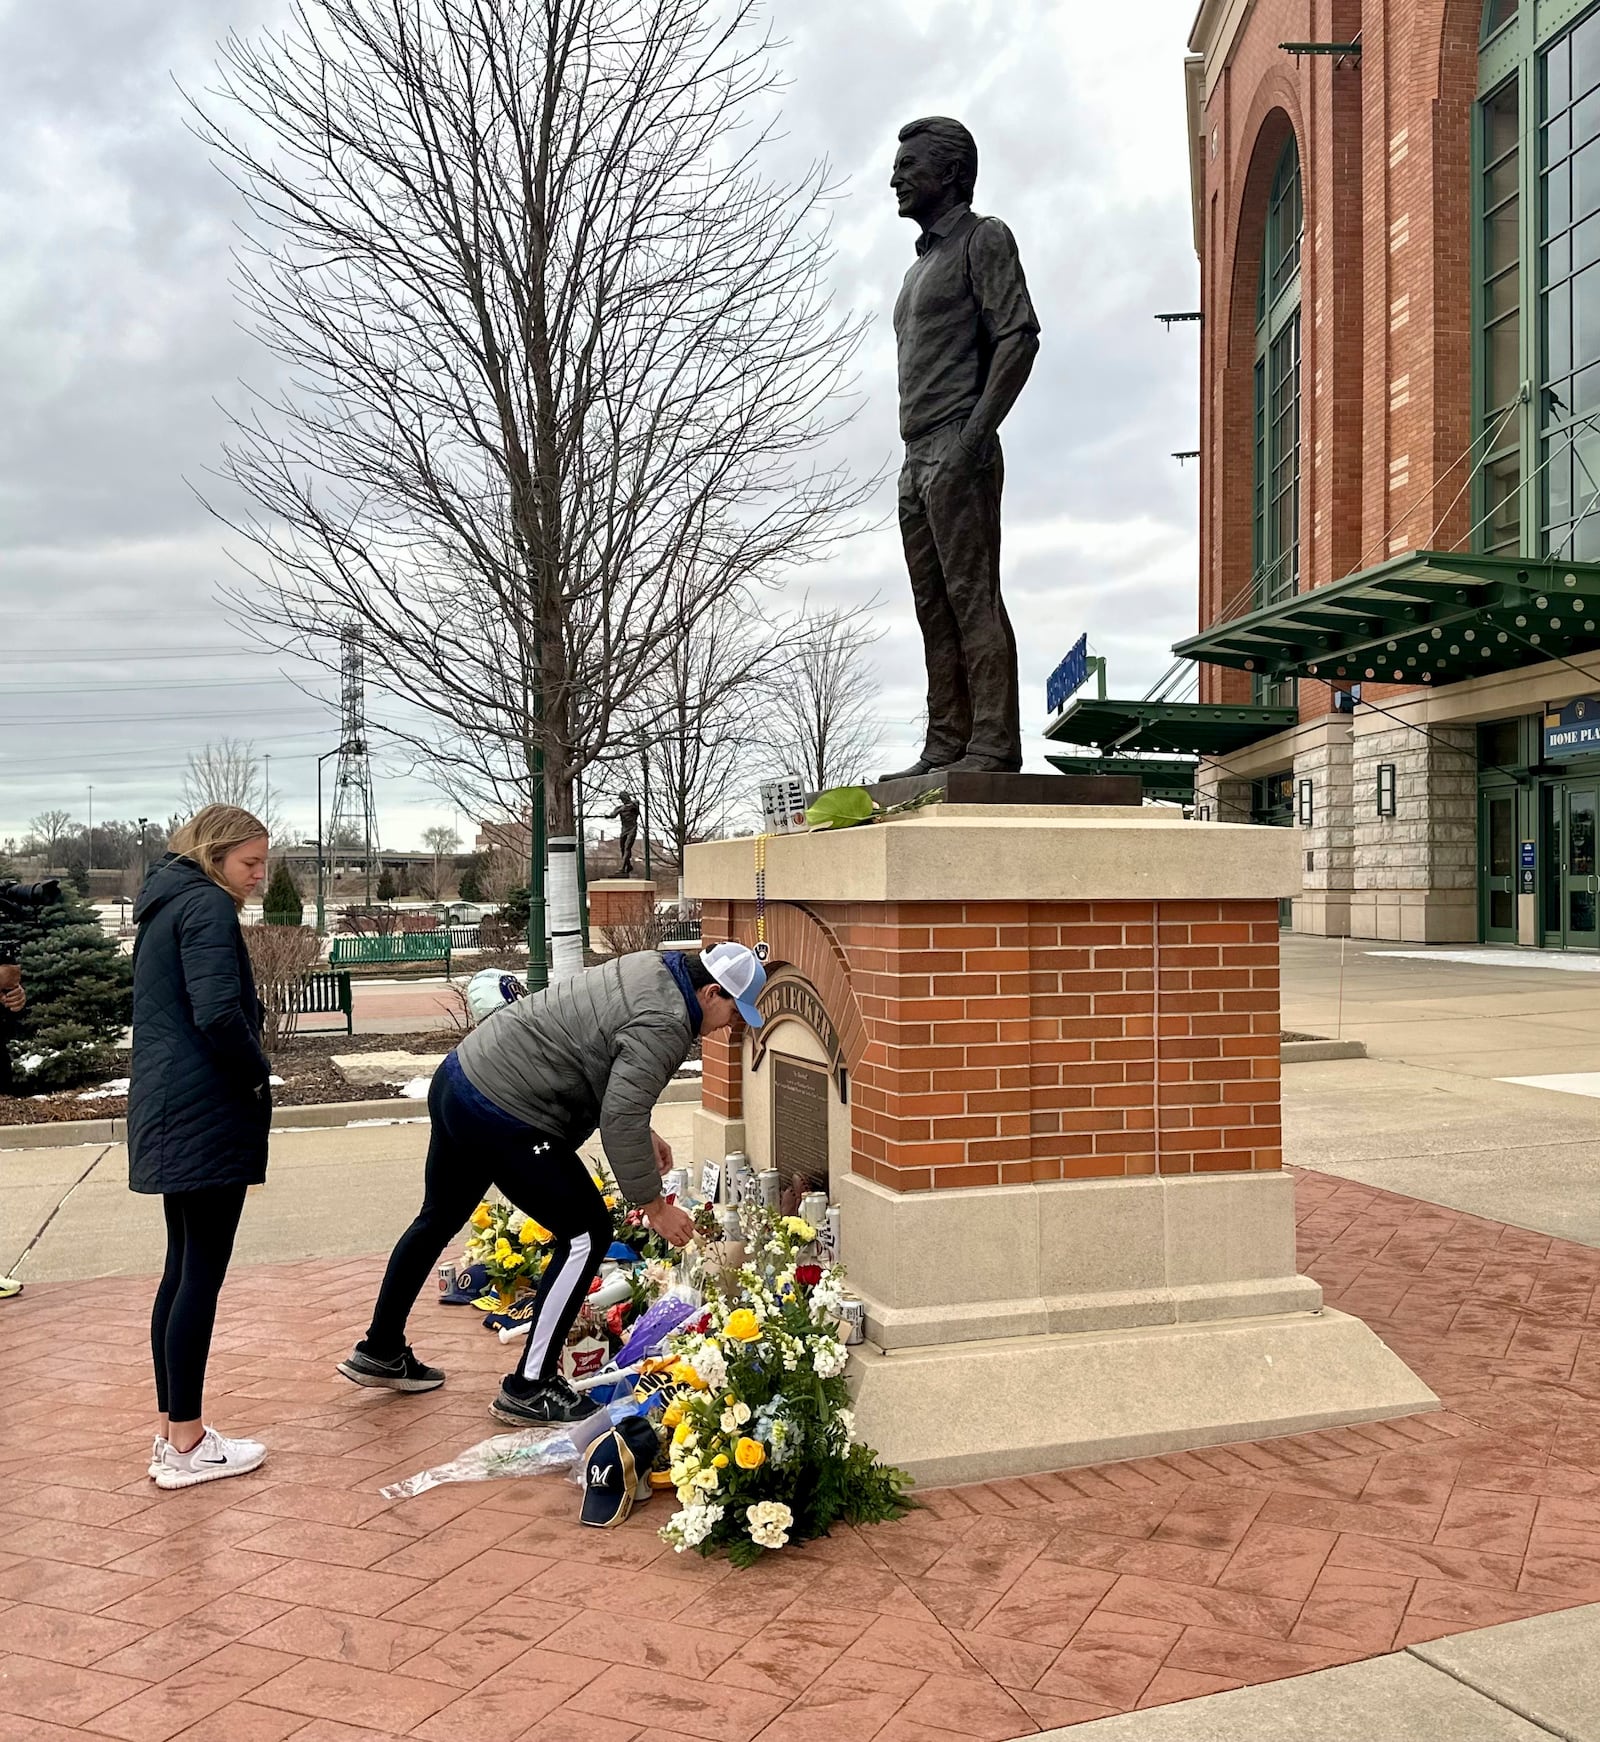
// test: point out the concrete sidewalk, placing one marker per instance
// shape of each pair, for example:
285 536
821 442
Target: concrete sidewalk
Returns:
1520 1682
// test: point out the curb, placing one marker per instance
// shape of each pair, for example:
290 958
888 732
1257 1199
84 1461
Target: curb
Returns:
68 1132
1305 1052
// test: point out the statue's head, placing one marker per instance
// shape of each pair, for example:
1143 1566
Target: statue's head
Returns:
627 798
936 167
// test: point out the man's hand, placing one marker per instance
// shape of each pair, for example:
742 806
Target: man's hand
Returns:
675 1226
663 1154
13 999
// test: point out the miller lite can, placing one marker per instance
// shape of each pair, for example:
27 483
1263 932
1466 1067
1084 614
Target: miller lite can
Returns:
814 1209
676 1184
447 1278
771 1188
853 1321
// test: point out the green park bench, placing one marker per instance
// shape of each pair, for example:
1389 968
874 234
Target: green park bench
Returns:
324 994
416 946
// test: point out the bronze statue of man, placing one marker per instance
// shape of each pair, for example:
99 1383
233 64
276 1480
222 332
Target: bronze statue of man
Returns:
627 812
966 336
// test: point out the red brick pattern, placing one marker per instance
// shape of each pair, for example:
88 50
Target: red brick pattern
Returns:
297 1605
1385 290
608 907
999 1043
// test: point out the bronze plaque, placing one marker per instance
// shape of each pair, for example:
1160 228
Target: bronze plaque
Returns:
800 1123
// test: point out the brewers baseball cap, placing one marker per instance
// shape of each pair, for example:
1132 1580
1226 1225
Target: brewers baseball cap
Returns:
615 1468
736 970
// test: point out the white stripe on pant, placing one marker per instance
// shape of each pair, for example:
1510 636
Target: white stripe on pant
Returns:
569 1279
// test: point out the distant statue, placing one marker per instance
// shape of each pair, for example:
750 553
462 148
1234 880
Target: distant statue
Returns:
966 336
627 812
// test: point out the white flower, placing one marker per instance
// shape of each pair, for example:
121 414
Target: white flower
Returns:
708 1361
741 1414
827 1297
769 1522
690 1527
729 1421
847 1421
828 1358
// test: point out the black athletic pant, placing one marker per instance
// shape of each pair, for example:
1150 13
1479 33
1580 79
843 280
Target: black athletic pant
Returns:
475 1145
200 1230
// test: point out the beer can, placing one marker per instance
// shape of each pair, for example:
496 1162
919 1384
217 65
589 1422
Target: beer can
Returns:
676 1184
814 1209
728 1221
853 1321
771 1188
447 1278
830 1237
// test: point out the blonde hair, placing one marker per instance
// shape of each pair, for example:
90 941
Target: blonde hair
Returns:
211 834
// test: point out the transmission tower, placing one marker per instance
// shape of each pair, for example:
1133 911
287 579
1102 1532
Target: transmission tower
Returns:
355 816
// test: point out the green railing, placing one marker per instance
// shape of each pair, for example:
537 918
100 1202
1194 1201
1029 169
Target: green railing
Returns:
416 946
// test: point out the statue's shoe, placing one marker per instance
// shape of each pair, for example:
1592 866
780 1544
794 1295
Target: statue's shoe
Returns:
921 766
982 765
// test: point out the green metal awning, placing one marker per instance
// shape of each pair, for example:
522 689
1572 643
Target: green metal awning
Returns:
1163 777
1429 617
1175 728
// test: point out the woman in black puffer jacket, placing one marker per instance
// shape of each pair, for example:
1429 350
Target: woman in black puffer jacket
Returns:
199 1107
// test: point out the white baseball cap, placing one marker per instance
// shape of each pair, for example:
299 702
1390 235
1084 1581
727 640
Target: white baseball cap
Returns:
736 970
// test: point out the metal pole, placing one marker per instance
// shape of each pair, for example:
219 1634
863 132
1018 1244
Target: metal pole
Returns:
91 826
583 864
322 918
649 874
538 958
144 855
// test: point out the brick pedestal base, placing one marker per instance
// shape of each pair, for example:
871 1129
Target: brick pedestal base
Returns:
1056 1034
619 901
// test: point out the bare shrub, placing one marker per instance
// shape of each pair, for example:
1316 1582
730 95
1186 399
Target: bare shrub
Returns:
282 957
637 934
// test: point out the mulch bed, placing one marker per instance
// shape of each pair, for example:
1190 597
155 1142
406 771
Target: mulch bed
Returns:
309 1079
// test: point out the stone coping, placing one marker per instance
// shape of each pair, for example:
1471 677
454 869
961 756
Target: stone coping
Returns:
992 854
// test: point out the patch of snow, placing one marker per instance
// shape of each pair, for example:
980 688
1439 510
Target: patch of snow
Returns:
416 1089
106 1091
690 1068
275 1082
359 1124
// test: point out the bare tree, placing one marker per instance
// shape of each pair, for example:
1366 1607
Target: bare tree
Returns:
50 828
441 841
228 771
556 336
820 721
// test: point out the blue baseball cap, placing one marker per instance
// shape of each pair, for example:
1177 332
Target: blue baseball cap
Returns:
736 970
615 1468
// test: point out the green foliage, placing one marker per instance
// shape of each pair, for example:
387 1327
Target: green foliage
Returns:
80 997
840 807
78 876
387 888
515 910
470 883
282 904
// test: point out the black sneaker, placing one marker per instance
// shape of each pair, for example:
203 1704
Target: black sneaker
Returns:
404 1373
543 1401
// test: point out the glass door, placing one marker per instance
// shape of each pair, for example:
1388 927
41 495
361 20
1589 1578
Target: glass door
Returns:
1580 872
1497 861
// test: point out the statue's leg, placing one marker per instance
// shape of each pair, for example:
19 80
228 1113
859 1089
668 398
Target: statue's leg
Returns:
949 706
963 511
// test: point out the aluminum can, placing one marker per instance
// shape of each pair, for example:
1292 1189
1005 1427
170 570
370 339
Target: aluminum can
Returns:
447 1278
814 1209
771 1188
830 1237
853 1317
728 1220
676 1184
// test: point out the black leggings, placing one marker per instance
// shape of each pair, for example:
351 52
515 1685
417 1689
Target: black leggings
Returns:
200 1230
473 1146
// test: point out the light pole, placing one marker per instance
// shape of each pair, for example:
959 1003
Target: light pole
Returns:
321 913
91 825
144 857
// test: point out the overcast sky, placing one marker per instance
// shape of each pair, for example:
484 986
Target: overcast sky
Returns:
119 344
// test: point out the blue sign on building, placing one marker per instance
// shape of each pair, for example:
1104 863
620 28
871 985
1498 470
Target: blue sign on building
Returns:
1073 673
1574 731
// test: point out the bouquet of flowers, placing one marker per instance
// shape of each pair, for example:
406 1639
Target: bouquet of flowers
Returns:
763 1448
509 1246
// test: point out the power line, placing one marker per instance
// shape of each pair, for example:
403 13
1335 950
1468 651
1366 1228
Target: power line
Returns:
110 719
156 683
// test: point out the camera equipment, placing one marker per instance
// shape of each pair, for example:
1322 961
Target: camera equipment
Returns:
20 901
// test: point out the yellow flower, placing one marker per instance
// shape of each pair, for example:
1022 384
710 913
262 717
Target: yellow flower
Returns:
730 1398
680 1433
480 1216
611 1202
720 1461
801 1229
532 1234
672 1414
750 1454
514 1262
686 1375
743 1325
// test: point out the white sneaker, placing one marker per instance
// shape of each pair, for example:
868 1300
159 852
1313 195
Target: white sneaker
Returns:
213 1458
157 1448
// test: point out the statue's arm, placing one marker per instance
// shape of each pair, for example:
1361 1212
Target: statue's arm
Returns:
1009 323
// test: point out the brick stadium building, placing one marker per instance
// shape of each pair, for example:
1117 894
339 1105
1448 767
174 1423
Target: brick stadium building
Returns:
1397 215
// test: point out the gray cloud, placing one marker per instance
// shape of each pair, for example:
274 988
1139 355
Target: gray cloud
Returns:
118 336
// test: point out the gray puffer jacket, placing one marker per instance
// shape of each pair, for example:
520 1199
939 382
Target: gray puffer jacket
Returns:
593 1053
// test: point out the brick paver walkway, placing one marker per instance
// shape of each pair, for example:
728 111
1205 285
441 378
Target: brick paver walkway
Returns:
296 1603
